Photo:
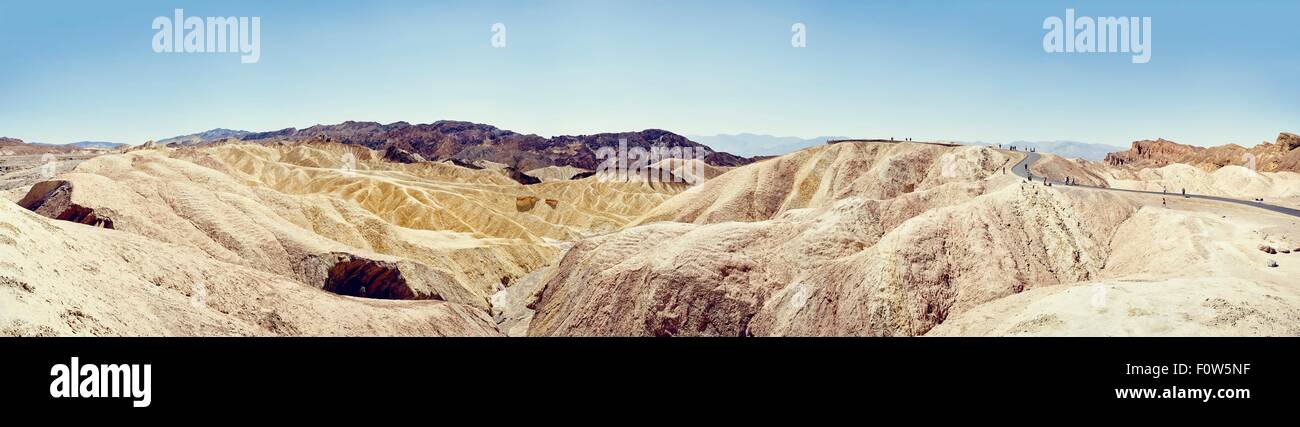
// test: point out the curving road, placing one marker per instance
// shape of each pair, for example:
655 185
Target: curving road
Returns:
1021 170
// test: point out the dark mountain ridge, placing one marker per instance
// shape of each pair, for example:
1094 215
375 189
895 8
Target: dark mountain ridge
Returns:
468 142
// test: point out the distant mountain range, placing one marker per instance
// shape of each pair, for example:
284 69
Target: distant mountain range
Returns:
750 145
469 142
100 145
203 137
1067 149
18 146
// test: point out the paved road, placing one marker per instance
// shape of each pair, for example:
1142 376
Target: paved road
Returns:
1021 170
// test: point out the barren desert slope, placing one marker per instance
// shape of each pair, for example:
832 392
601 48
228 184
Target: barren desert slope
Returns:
336 217
59 278
914 239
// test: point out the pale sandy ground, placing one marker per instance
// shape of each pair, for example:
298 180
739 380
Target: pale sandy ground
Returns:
1290 202
1170 307
1188 270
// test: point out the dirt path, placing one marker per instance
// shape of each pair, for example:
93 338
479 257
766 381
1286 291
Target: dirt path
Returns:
1021 170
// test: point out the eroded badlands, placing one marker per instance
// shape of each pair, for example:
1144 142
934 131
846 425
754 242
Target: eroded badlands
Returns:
853 238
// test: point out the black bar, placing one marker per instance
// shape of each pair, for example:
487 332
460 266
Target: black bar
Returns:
191 374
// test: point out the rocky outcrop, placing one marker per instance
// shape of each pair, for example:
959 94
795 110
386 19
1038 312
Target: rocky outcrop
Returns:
352 275
148 145
1148 153
525 203
53 199
1282 155
398 155
520 177
1287 142
555 173
464 164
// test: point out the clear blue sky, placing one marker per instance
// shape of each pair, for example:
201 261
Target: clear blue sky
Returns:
1220 72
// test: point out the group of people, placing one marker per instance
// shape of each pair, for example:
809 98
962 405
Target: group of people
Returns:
1166 191
1029 177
